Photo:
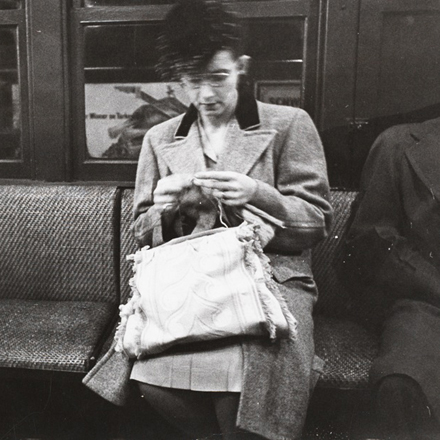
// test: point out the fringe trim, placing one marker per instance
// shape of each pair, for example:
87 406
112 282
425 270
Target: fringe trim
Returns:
248 234
291 320
132 307
270 325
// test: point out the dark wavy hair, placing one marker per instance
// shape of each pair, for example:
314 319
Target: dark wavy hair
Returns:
193 31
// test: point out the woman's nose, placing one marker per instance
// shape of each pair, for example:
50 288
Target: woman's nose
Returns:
206 91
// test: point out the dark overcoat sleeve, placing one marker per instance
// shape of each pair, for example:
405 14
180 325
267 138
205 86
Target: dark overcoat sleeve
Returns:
378 251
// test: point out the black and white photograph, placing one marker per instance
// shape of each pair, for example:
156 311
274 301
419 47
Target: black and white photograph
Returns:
220 219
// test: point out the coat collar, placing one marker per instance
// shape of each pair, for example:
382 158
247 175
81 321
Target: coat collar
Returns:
246 114
424 153
245 142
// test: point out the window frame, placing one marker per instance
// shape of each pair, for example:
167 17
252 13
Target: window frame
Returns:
19 167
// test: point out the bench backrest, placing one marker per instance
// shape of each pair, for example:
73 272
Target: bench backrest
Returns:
57 242
328 259
128 244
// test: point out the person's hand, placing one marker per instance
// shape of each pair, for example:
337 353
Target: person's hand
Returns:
233 189
168 191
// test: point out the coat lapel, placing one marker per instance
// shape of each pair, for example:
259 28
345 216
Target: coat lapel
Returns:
245 142
185 154
244 148
424 154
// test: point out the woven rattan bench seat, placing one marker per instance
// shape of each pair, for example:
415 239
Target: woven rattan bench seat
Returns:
58 279
51 335
347 348
348 351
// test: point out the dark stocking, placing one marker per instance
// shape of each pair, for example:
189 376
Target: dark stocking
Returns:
199 414
189 411
226 409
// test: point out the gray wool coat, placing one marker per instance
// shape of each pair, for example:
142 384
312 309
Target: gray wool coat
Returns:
280 148
394 247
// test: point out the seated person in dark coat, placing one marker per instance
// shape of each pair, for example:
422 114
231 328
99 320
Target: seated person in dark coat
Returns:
394 248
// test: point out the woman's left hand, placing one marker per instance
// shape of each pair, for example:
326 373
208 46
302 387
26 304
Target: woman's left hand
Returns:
233 189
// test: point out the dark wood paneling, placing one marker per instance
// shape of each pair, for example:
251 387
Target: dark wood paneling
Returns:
48 97
398 68
338 90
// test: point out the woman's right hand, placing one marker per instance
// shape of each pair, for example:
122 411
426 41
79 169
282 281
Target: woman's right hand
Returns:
169 190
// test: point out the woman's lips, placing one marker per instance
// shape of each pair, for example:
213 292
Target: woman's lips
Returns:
211 107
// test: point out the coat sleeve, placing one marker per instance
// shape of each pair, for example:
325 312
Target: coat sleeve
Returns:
146 218
301 194
378 253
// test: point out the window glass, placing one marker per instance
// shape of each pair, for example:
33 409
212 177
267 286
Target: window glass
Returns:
283 39
120 53
9 96
277 59
10 4
124 96
119 115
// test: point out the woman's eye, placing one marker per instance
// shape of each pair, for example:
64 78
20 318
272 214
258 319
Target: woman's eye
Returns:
220 77
195 81
215 79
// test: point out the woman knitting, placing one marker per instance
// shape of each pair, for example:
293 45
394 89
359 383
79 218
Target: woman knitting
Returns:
230 148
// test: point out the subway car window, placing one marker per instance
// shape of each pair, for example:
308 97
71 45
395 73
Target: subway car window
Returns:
124 97
9 96
277 61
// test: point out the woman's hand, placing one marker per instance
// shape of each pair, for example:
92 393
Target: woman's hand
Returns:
169 190
233 189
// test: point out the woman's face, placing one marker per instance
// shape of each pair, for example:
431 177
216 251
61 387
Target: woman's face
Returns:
213 91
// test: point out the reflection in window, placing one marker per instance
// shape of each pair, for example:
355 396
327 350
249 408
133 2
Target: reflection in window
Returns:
9 96
119 115
124 97
10 4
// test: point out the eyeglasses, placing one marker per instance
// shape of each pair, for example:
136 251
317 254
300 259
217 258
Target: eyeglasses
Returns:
212 79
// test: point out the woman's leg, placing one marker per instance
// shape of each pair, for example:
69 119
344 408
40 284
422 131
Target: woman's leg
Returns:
199 414
190 411
226 410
